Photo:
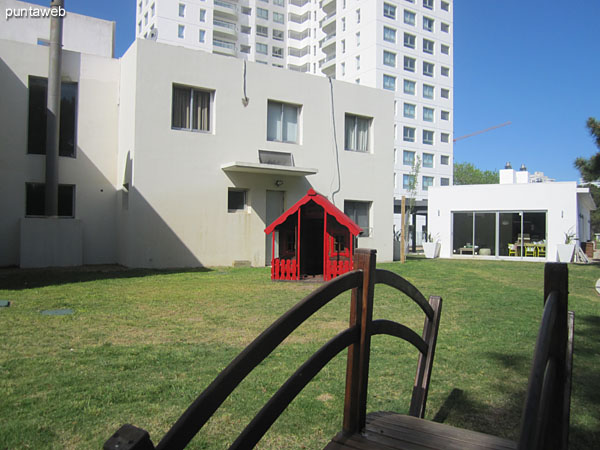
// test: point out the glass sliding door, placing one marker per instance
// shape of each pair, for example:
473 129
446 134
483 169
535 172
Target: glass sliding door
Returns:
518 234
485 233
509 231
534 234
462 232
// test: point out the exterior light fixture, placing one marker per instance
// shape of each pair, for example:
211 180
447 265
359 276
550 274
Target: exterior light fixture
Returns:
278 183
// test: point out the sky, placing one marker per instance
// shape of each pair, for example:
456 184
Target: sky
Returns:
533 63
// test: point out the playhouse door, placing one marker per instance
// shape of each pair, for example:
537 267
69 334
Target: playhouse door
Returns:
274 210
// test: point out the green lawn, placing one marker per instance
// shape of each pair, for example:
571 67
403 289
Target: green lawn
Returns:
142 345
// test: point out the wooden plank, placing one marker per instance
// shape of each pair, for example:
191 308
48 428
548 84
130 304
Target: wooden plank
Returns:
391 328
422 431
568 372
425 363
357 366
366 262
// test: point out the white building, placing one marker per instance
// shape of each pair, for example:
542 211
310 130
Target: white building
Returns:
172 157
81 34
405 46
515 219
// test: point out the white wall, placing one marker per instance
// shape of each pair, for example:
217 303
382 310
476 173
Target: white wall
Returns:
559 200
82 34
177 212
92 171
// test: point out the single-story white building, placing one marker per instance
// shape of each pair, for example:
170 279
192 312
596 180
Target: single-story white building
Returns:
172 157
515 219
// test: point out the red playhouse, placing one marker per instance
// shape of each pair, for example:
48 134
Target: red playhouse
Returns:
311 238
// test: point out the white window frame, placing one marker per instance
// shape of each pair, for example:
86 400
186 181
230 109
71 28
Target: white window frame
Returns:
390 31
351 138
389 58
389 11
194 93
281 130
389 82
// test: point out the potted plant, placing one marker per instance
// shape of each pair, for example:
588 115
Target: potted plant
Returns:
431 246
566 250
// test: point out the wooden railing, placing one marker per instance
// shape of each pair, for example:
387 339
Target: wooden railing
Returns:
356 338
545 418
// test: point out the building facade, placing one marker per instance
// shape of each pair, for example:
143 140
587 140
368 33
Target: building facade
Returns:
405 46
516 219
166 164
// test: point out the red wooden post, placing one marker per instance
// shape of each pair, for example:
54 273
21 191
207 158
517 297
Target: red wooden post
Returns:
272 247
324 256
298 244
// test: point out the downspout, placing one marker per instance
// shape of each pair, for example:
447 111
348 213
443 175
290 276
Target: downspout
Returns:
53 108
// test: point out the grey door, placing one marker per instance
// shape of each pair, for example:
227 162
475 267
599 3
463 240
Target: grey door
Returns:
274 210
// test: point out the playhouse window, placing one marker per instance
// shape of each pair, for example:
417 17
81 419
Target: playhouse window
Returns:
340 244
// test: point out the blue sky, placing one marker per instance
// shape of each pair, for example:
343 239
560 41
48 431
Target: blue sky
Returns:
535 64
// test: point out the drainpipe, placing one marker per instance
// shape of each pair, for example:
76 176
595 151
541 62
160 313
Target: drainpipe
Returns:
53 114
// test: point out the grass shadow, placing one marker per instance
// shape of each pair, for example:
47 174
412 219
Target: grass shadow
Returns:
15 279
463 410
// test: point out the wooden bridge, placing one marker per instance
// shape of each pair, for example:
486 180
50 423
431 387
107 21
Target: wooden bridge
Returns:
545 418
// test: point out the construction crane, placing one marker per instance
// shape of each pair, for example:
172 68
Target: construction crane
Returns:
482 131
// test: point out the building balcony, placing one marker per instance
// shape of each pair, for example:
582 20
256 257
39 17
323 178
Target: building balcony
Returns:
303 68
327 62
299 35
328 5
328 23
225 9
299 52
299 18
327 43
223 47
224 29
329 71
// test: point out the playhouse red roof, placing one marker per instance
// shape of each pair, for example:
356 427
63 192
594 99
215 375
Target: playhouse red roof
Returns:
329 207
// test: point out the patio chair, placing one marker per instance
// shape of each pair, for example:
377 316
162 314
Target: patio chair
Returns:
530 250
512 250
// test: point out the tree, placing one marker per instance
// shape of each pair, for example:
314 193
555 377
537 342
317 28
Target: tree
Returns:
467 173
590 168
595 215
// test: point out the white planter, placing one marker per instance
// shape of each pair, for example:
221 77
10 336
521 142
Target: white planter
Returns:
431 249
565 252
396 250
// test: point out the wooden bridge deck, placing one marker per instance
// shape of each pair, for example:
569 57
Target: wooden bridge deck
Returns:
391 431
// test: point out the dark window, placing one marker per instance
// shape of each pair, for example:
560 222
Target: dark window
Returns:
38 93
359 212
35 200
236 200
191 109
